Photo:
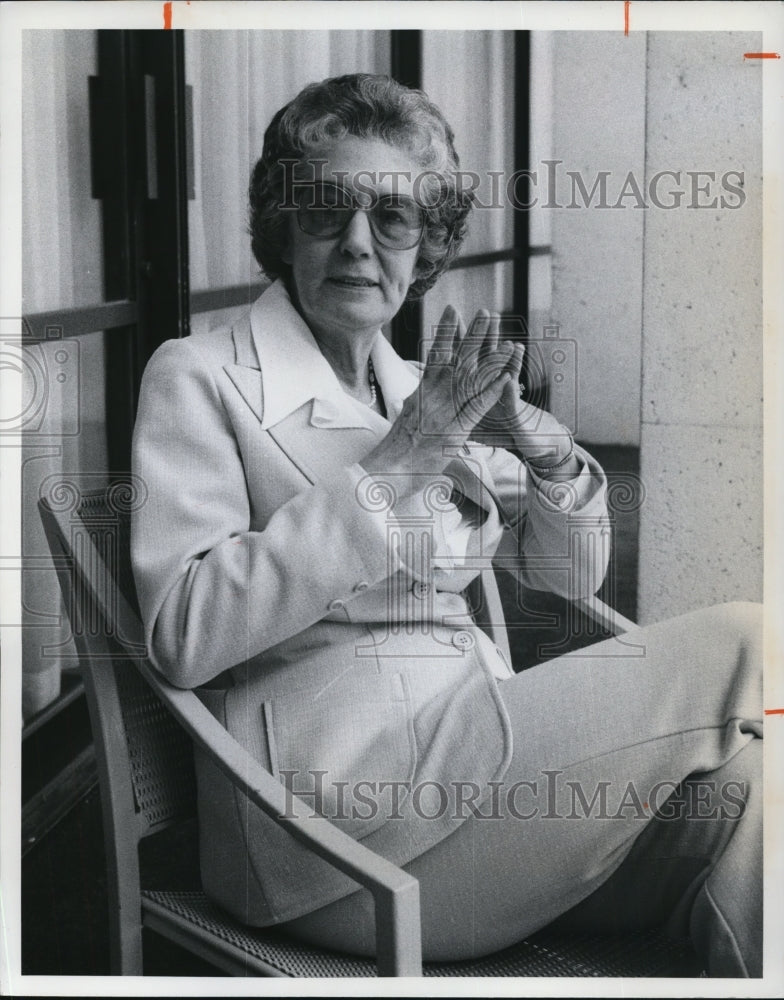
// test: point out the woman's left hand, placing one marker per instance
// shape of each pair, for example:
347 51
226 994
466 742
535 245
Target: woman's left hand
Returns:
513 423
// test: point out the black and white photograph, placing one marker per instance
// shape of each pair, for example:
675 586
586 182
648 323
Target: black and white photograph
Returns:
389 447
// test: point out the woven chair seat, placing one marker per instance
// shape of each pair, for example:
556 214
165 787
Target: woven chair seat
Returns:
647 953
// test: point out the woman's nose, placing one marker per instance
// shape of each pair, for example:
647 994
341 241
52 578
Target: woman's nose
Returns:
357 238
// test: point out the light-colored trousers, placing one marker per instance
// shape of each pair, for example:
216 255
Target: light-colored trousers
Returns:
602 741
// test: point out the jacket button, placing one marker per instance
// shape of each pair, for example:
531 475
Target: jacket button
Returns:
337 605
463 640
420 590
361 586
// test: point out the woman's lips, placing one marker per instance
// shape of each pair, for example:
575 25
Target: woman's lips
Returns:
351 281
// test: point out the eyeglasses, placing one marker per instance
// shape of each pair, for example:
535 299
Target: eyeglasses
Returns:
325 210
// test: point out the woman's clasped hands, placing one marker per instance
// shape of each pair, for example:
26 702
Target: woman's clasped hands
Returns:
471 381
465 377
470 388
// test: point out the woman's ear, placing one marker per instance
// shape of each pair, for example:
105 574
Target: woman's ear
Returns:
285 233
421 270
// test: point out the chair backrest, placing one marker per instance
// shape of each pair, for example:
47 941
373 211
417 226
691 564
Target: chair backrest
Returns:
135 734
484 600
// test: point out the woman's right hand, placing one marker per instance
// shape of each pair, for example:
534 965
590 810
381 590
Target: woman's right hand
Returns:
457 389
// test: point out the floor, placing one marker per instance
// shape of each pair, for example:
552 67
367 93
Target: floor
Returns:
64 903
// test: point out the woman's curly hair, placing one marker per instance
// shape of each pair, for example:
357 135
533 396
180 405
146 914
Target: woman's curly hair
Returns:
365 106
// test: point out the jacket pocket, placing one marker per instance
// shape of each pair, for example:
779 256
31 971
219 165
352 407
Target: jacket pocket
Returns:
348 751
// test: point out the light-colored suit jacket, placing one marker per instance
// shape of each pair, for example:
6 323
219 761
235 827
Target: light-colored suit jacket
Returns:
322 623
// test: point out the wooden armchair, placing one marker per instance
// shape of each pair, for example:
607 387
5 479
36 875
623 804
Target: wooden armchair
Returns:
144 730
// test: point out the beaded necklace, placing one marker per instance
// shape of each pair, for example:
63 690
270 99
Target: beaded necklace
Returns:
372 381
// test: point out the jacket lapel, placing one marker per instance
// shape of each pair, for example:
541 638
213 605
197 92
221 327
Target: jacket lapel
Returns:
245 372
319 450
292 391
248 384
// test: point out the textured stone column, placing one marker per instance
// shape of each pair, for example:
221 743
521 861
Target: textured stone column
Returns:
701 439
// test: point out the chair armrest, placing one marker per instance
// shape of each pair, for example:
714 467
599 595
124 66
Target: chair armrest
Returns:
604 615
395 893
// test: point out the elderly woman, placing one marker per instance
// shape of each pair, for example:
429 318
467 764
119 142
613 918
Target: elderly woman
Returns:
318 507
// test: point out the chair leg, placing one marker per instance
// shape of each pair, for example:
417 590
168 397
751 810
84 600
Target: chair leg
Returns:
125 939
120 821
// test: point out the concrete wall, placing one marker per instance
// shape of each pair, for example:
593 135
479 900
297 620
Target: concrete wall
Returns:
666 305
701 441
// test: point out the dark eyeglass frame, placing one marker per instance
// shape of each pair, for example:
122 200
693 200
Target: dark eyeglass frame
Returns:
346 205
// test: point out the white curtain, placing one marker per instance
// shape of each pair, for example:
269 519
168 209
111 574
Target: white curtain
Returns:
61 238
471 77
63 394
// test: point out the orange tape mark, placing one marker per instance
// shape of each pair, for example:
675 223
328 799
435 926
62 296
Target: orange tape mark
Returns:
167 14
774 711
626 5
761 55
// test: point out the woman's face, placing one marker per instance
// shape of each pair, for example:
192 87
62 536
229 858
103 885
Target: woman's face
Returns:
350 283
